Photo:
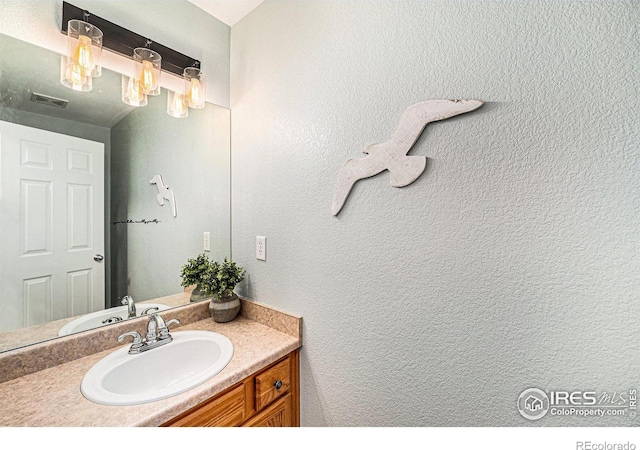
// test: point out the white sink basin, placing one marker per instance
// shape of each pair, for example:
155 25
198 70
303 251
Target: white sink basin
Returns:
95 319
191 359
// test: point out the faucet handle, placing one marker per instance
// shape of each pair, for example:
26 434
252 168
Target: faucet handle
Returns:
137 340
112 319
164 331
172 321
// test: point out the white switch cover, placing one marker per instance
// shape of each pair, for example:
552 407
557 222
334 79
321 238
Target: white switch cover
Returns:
207 241
261 248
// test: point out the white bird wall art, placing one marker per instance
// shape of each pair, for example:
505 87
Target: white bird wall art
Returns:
392 155
164 193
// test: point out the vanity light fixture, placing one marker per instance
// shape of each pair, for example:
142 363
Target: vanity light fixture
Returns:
144 79
90 33
82 61
147 69
178 103
195 87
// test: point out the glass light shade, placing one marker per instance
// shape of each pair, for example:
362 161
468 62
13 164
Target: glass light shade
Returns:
155 92
132 93
74 76
177 105
84 46
147 69
195 87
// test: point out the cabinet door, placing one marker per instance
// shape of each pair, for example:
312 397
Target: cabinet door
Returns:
276 415
227 410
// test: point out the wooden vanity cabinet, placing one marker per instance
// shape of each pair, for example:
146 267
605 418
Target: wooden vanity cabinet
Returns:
268 398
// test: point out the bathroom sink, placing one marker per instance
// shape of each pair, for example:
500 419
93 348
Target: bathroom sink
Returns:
190 359
96 319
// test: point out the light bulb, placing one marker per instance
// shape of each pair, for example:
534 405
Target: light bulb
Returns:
195 92
148 81
83 54
132 94
134 91
177 105
148 64
195 87
76 76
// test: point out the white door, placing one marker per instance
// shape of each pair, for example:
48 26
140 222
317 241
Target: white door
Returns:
51 226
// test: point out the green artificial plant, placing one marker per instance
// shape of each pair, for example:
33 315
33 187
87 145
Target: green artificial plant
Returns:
194 271
221 278
211 277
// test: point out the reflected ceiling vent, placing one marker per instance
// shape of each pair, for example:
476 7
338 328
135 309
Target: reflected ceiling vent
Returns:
46 100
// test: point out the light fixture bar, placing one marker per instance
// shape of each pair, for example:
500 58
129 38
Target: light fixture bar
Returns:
122 41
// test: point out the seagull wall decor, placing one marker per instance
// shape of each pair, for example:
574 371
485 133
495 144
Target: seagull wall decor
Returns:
392 155
164 193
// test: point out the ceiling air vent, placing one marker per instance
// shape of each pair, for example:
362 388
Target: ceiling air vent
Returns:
46 100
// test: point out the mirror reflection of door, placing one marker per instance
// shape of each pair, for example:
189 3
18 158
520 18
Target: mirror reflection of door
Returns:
51 227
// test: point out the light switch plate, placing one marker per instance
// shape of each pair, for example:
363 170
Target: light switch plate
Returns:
261 248
207 241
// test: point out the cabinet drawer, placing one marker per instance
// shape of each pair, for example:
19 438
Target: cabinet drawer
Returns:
225 411
273 383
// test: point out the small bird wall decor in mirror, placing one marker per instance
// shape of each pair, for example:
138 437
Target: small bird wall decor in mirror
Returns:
392 155
164 193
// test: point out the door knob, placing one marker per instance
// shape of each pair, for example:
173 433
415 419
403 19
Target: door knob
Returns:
98 258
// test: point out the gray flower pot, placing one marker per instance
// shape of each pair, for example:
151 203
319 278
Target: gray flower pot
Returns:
225 308
197 294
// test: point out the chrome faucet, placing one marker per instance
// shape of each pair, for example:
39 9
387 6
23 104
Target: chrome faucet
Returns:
131 306
157 335
154 325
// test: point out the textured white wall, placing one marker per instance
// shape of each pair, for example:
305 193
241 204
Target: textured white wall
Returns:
177 24
512 262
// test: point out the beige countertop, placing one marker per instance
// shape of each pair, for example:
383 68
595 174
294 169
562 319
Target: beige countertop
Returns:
52 397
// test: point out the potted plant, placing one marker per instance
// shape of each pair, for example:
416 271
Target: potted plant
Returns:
193 273
219 281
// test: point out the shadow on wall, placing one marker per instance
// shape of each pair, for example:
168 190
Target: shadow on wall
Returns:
311 391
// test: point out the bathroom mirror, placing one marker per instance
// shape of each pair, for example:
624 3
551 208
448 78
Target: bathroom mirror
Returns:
138 246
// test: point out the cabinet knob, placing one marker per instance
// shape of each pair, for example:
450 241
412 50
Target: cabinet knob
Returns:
278 385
